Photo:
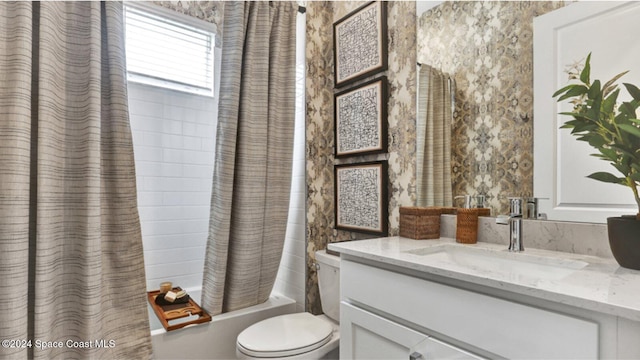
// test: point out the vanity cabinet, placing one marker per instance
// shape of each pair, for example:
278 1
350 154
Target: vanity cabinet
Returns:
392 313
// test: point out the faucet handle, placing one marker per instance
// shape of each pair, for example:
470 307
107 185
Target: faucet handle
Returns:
502 219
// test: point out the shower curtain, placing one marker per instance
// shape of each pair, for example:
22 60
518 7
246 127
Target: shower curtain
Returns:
254 147
435 103
71 263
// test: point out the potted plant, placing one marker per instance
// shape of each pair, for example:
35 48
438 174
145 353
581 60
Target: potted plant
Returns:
614 131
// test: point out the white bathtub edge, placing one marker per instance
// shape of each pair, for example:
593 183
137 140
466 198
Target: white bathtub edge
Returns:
216 339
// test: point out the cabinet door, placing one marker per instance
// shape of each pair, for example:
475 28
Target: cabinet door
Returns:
364 335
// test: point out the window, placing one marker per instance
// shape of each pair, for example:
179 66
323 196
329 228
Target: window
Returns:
167 53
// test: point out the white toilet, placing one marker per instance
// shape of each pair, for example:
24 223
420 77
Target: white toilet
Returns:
301 335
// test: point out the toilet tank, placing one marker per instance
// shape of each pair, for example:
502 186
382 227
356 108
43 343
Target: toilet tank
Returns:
329 283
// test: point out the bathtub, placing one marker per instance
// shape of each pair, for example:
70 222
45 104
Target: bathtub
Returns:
216 339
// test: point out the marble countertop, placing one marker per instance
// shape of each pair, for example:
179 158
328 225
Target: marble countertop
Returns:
589 282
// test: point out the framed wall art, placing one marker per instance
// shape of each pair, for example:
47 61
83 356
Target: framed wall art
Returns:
360 119
361 202
360 43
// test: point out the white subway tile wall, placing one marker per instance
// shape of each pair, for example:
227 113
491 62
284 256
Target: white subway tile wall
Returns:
291 274
174 142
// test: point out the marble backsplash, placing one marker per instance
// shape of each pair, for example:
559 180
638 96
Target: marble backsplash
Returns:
572 237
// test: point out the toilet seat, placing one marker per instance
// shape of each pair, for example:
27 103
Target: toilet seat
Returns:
285 335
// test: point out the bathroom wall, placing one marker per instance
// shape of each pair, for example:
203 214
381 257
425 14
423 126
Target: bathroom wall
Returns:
291 274
320 143
488 48
174 142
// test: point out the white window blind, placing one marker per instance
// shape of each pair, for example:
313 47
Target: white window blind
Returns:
166 53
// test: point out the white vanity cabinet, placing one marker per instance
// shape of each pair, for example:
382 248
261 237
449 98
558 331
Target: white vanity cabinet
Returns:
410 299
387 314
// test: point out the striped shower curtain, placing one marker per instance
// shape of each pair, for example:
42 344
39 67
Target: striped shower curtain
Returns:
71 262
254 147
433 171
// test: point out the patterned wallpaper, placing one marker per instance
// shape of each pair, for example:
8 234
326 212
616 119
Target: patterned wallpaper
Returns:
401 24
488 47
210 11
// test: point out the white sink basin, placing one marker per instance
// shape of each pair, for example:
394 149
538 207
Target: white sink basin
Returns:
504 263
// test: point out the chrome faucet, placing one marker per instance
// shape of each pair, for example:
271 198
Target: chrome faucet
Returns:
514 219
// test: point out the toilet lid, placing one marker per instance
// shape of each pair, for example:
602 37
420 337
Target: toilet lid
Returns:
284 335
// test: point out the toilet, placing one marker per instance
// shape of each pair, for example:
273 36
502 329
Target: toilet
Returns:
300 335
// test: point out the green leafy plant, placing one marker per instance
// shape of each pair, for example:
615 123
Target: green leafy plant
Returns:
612 129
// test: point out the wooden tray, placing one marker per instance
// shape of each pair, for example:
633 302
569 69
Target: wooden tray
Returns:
177 311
